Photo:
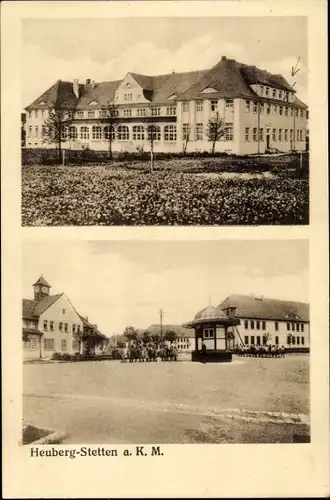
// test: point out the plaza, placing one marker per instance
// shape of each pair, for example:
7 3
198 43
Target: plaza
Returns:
250 400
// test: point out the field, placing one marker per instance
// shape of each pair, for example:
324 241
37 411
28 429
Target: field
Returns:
112 402
178 192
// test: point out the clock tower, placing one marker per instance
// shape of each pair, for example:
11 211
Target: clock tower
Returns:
41 288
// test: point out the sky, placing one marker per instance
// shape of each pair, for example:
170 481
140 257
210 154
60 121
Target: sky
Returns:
107 49
120 283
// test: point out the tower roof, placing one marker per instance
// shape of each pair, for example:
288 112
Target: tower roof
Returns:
41 281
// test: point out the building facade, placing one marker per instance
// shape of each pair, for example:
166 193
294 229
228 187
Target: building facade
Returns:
52 324
260 111
184 341
268 321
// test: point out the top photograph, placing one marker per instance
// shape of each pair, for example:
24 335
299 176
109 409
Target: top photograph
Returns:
165 122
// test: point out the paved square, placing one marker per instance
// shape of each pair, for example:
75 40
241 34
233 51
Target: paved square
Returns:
247 401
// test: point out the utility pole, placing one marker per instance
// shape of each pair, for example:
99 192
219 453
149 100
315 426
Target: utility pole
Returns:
161 314
294 71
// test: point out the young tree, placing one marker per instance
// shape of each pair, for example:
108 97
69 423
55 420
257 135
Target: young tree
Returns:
110 117
170 335
268 337
146 337
55 129
215 129
130 333
186 137
152 130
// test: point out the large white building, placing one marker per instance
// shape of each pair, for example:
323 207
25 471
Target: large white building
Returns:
52 324
271 321
261 111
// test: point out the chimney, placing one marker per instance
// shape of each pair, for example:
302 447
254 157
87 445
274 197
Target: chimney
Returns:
88 81
95 326
223 58
76 87
86 318
92 84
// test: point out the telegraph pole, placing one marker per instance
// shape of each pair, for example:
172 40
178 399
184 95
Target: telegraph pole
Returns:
294 71
161 314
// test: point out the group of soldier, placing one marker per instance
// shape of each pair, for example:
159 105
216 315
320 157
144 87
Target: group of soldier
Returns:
138 351
262 351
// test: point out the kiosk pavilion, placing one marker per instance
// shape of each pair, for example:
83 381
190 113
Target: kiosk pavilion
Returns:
215 328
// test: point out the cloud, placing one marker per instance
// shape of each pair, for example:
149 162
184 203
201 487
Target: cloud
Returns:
119 286
108 49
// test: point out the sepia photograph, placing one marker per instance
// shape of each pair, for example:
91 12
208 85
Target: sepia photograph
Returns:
166 342
165 121
165 304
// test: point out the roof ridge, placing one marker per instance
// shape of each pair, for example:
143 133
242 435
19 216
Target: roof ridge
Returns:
255 295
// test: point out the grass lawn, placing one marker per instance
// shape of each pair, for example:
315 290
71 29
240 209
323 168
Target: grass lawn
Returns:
178 192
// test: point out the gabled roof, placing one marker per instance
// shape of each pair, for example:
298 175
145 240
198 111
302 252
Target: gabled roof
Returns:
103 93
249 306
93 331
229 78
45 303
28 307
144 81
164 86
41 281
60 94
32 309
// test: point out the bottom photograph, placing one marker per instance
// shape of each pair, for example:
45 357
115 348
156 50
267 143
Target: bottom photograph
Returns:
165 342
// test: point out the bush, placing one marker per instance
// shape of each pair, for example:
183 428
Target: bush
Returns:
56 356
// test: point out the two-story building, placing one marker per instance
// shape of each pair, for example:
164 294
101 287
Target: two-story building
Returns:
184 341
260 112
52 324
268 321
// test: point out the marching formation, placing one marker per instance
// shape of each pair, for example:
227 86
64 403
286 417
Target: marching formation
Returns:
268 351
141 352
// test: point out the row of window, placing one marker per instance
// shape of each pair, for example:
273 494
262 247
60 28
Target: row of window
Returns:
30 323
256 324
30 345
280 134
138 132
273 109
258 340
266 108
295 327
266 91
292 340
49 345
127 112
63 327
